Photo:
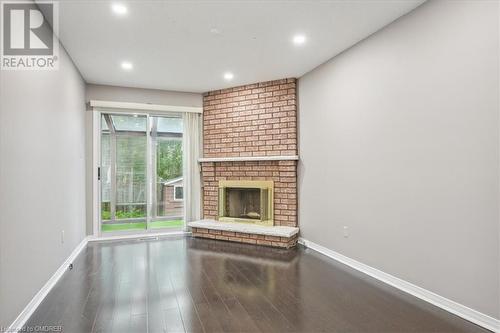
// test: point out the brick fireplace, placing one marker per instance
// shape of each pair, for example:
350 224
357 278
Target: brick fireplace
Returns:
250 134
283 173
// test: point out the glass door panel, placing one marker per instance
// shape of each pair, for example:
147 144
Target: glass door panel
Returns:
167 199
123 172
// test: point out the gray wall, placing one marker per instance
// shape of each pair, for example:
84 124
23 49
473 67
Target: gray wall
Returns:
42 178
399 141
131 95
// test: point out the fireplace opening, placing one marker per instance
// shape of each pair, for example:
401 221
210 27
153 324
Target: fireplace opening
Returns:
246 201
243 203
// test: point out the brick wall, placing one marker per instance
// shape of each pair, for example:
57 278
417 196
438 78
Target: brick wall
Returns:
283 173
240 237
253 120
171 207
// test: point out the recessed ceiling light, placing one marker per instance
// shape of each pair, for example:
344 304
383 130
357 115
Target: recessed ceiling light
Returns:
228 76
127 65
119 9
299 39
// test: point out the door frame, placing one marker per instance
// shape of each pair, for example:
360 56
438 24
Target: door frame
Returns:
142 110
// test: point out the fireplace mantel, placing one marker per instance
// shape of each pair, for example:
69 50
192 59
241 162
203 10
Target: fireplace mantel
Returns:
249 158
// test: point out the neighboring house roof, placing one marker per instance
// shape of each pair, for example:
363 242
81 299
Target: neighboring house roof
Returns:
173 181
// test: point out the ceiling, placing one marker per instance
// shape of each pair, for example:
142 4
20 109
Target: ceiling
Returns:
189 45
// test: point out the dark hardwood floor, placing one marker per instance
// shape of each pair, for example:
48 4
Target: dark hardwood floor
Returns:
198 285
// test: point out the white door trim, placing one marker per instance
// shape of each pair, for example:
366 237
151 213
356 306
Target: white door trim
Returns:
96 163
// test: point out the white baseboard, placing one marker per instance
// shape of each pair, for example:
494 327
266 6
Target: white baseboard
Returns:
460 310
23 317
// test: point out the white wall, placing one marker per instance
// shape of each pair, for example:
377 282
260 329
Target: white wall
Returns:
399 141
42 178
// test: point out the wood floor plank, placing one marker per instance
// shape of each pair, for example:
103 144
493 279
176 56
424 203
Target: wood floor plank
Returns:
207 317
197 285
189 312
173 321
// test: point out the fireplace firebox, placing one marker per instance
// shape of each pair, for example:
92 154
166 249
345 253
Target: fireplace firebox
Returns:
247 201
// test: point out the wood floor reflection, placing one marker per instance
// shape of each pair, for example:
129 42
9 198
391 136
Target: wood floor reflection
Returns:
199 285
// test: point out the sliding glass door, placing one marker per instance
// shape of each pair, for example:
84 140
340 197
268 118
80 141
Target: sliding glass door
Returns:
141 172
168 199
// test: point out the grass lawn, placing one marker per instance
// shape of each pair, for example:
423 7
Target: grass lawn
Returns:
142 225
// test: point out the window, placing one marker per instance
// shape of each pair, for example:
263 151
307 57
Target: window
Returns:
178 193
169 125
129 123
